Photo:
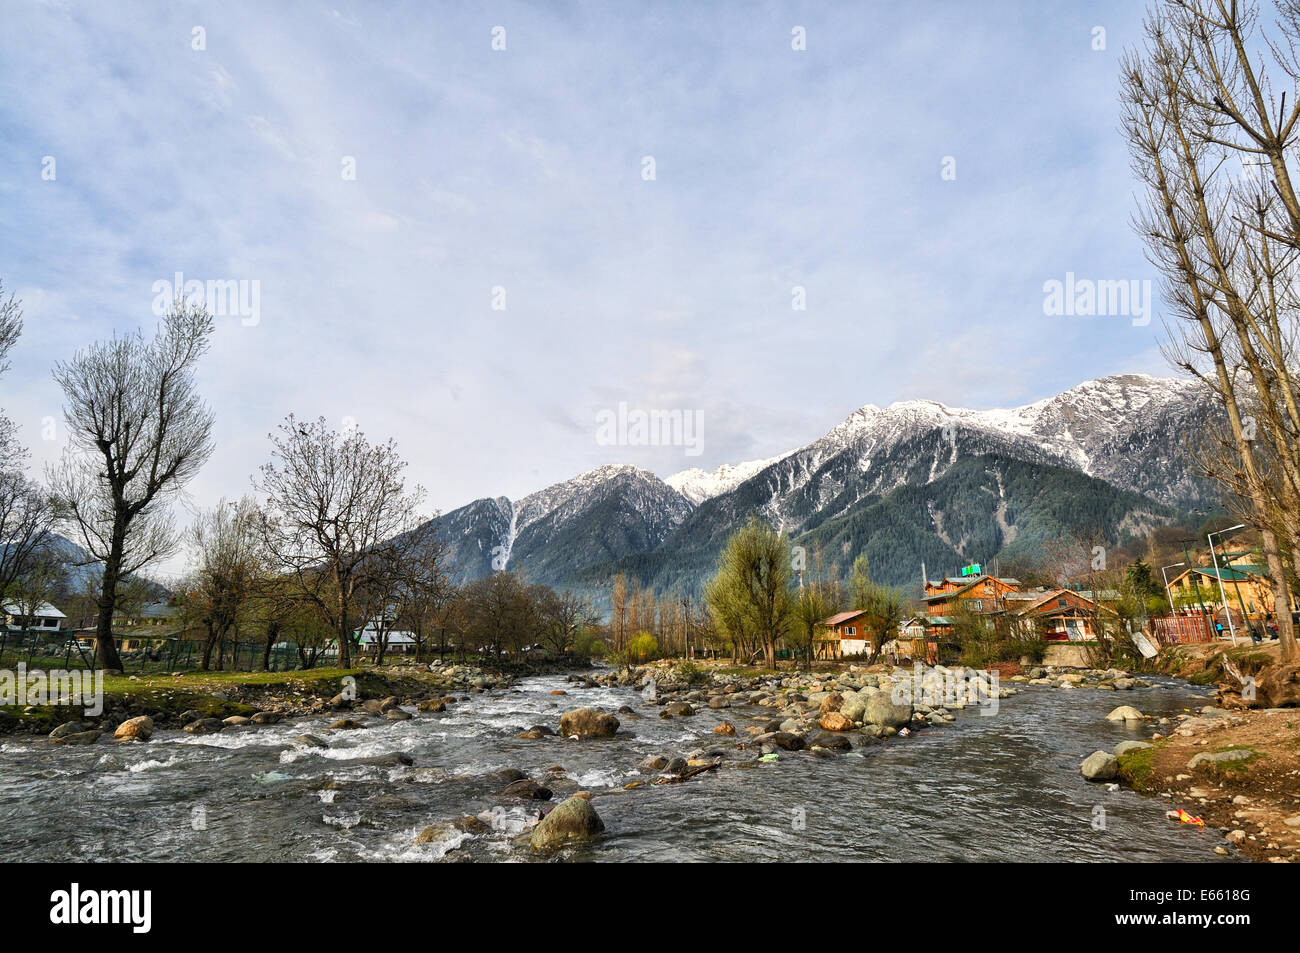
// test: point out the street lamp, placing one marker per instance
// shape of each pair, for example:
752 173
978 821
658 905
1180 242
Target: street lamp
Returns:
1232 631
1165 576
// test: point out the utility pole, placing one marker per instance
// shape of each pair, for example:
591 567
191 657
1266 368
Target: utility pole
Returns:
1232 630
1165 576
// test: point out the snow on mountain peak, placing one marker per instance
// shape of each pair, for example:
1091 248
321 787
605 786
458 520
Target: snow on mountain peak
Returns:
699 485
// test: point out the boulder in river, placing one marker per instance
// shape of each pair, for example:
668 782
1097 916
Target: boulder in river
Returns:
677 710
204 726
588 723
1125 713
65 729
1100 766
884 711
79 738
831 741
526 790
835 721
431 704
572 821
135 729
726 728
345 724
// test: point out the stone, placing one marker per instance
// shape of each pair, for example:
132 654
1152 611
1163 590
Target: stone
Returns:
1100 766
854 707
527 790
882 710
676 710
588 723
833 742
788 741
656 762
1125 713
264 718
310 741
1126 746
79 738
204 726
135 729
1218 757
235 721
572 821
65 729
726 728
396 714
345 724
835 721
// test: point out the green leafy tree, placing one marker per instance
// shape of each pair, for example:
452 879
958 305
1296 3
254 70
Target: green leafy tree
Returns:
750 596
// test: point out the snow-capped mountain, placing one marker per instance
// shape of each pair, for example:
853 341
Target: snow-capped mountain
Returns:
699 485
1105 456
604 514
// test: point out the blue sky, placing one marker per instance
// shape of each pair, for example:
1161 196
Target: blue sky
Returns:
522 169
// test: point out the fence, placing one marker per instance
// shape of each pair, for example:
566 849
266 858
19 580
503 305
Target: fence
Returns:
152 654
1185 629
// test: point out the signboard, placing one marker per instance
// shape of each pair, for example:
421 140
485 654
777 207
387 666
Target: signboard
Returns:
974 569
1144 645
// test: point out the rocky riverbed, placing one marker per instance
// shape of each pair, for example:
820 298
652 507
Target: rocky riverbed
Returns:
662 763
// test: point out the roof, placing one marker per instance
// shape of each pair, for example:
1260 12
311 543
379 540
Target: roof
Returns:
158 610
843 617
45 610
966 583
371 637
1233 574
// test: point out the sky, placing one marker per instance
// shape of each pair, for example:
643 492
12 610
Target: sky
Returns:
478 251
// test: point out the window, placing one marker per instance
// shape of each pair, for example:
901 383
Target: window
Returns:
977 605
850 630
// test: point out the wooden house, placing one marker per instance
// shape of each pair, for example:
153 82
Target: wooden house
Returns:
842 635
982 594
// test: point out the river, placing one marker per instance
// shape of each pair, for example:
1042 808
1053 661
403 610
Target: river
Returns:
1004 787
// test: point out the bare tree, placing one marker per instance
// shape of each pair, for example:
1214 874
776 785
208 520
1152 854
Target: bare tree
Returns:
228 571
138 432
11 328
561 616
334 503
1210 141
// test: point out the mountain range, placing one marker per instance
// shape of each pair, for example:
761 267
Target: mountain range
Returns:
915 481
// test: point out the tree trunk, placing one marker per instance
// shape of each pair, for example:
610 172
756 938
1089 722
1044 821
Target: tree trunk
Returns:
108 657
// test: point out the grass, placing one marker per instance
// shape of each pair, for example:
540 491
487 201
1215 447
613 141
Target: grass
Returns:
1136 766
167 695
